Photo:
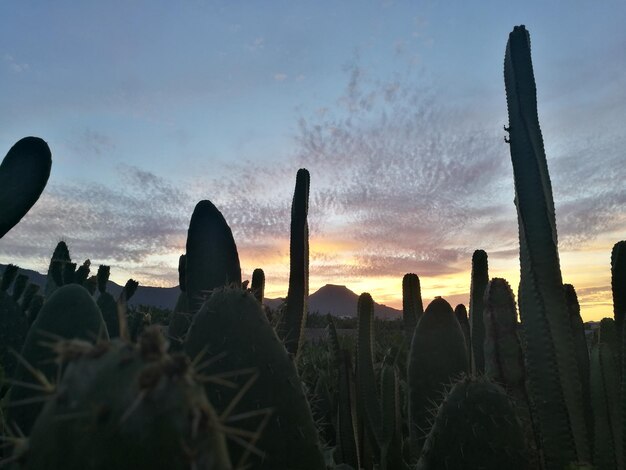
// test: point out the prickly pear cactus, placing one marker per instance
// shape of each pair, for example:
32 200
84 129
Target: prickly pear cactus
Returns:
121 406
24 173
475 427
254 382
70 312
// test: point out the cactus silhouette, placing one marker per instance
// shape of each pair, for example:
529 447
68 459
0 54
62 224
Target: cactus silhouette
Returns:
412 307
480 278
24 173
553 375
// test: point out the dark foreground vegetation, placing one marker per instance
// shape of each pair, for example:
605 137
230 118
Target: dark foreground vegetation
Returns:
223 382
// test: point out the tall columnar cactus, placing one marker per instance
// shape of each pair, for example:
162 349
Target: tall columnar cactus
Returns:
605 400
60 257
460 312
258 284
365 377
69 313
582 354
618 282
504 362
120 406
412 307
347 433
24 173
554 378
480 278
233 337
294 316
475 427
437 357
212 260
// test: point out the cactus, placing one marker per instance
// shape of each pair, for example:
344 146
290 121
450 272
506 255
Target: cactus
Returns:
437 356
24 173
582 353
365 378
68 313
60 257
347 436
460 312
126 407
232 327
604 397
82 273
13 323
480 278
258 284
181 318
504 362
618 282
412 307
294 317
553 375
107 303
19 286
475 427
212 260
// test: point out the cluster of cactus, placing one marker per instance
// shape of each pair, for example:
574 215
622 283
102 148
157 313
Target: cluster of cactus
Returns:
94 387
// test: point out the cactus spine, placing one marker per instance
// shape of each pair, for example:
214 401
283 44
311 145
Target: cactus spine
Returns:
294 317
554 379
480 278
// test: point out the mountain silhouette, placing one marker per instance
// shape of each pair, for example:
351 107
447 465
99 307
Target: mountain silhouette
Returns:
337 300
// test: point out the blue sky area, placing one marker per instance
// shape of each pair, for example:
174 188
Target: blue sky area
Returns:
396 108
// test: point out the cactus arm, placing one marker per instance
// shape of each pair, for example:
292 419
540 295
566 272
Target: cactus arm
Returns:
554 379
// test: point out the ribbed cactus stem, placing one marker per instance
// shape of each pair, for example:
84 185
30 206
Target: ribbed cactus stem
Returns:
366 380
554 379
480 278
412 307
582 353
60 257
258 284
618 282
294 318
460 312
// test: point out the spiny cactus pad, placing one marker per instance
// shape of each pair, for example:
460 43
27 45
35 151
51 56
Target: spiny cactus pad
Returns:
125 407
232 325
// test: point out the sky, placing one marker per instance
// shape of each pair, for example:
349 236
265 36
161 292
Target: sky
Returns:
395 107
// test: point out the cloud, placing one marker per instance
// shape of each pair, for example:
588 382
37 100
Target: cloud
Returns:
257 44
280 77
13 65
90 143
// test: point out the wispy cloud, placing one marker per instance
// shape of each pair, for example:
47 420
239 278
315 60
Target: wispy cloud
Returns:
13 65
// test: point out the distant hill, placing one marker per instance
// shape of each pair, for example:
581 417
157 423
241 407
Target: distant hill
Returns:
337 300
162 297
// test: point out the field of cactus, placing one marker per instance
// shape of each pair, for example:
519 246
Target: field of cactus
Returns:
227 383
